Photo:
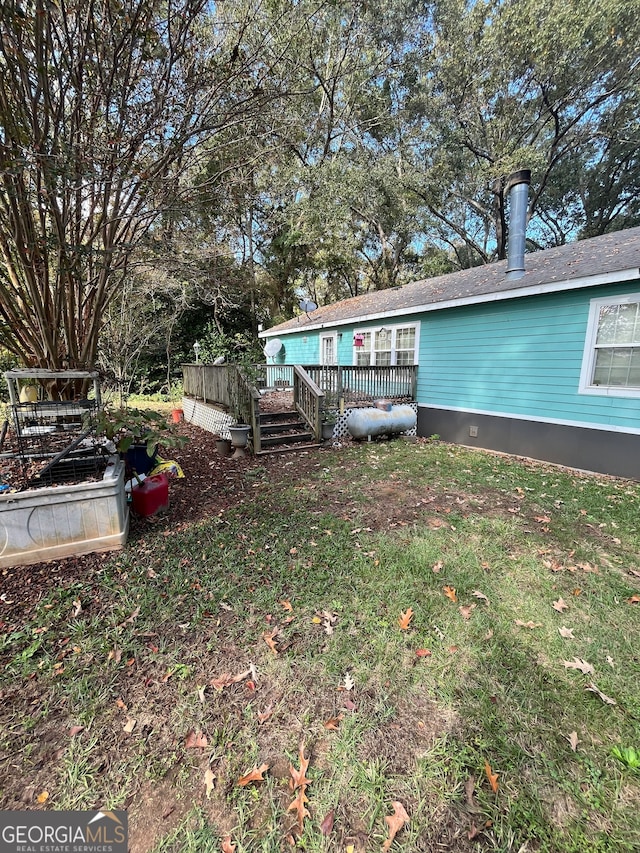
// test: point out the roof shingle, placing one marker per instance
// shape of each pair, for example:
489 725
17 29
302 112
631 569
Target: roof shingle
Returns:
607 254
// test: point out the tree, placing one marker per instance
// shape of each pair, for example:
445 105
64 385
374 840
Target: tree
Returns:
103 107
502 85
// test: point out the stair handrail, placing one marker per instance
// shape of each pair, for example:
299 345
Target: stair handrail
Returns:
308 399
245 403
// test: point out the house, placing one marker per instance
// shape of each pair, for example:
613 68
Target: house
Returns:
542 362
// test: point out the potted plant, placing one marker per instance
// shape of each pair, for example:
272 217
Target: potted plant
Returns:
136 434
328 425
175 397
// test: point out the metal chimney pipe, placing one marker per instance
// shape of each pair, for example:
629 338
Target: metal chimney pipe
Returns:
518 189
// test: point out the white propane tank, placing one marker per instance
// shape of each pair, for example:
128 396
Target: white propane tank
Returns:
365 422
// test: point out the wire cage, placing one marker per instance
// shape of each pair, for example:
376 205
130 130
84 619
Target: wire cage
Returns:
54 439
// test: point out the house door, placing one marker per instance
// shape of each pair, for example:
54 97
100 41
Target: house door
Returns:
328 349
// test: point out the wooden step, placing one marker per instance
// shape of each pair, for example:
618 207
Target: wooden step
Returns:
288 438
278 417
284 426
289 448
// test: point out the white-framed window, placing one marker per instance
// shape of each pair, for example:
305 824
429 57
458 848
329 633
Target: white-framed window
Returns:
387 345
611 361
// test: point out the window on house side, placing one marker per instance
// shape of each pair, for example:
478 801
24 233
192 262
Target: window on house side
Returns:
388 346
612 357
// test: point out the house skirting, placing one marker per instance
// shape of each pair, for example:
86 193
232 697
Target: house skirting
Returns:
589 449
206 416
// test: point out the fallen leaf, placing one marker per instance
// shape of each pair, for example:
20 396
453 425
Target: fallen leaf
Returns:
75 730
481 595
450 592
333 723
328 621
298 805
227 845
255 775
488 635
326 827
195 740
405 618
286 605
130 619
577 663
560 605
542 519
298 778
77 608
226 680
115 655
348 682
452 650
606 699
466 610
610 661
469 788
634 599
120 704
573 740
263 716
423 653
269 639
129 726
208 781
43 797
492 777
317 620
528 624
395 823
576 591
567 633
201 696
437 566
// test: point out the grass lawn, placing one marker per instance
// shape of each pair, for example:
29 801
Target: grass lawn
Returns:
449 631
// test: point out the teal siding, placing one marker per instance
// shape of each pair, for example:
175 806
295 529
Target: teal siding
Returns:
304 348
522 357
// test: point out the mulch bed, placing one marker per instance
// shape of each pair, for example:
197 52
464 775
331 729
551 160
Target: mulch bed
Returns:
211 484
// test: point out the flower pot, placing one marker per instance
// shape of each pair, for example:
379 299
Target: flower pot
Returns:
239 438
223 447
177 415
327 429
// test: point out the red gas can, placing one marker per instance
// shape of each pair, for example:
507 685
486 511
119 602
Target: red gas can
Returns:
151 495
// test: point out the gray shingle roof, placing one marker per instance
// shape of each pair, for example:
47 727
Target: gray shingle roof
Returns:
550 269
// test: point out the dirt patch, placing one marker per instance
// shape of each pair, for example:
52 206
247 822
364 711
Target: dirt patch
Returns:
408 735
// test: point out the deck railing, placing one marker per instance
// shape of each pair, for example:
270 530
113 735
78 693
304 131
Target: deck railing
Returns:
362 384
227 386
308 399
315 387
